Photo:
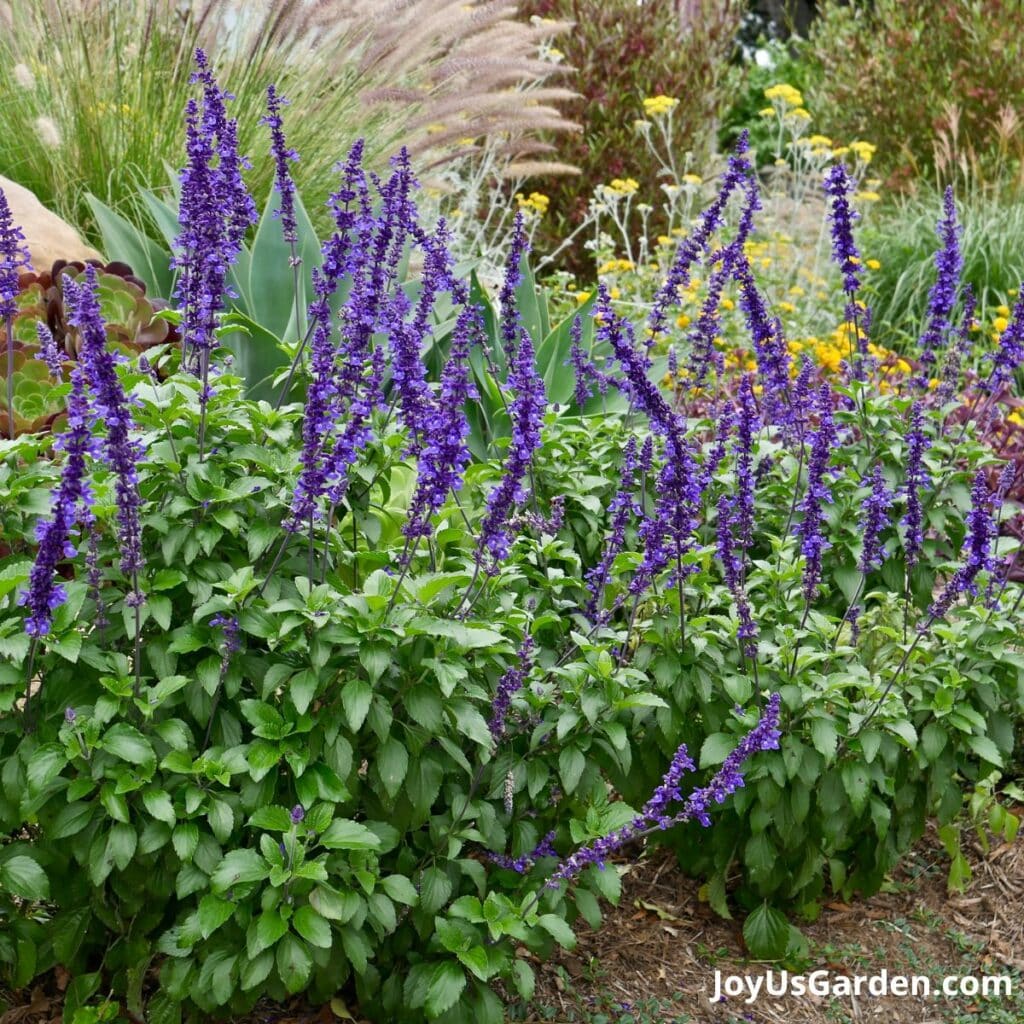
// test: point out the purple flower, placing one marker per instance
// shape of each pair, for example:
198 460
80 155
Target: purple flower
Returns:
732 565
14 256
48 352
297 814
523 863
981 532
690 248
747 425
510 683
444 455
622 507
527 412
942 296
70 715
282 154
842 216
812 540
214 213
876 517
917 479
958 353
655 815
1010 353
510 320
586 372
73 493
113 409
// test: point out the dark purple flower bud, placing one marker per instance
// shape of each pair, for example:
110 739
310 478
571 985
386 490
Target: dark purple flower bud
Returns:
958 353
70 715
732 566
1010 352
510 320
586 372
48 352
297 815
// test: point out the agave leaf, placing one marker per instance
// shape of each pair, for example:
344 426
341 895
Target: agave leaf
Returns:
121 239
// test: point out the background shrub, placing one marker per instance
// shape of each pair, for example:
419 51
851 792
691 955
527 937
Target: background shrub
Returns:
903 73
619 53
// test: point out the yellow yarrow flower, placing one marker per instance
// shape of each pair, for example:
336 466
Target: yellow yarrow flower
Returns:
866 197
786 93
623 186
872 264
655 106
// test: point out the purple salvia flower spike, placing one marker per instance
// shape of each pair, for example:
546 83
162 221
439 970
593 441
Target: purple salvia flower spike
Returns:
810 529
764 736
48 352
917 479
949 263
282 154
510 684
1010 353
690 248
510 319
876 508
113 409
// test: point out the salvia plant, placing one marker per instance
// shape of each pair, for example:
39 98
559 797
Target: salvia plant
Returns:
363 694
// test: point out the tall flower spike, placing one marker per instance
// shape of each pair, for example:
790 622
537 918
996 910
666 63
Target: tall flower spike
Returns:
112 408
732 567
810 529
1010 353
444 455
747 425
655 815
54 536
981 532
876 508
510 320
282 155
842 216
690 248
14 257
587 375
527 413
949 264
917 479
510 684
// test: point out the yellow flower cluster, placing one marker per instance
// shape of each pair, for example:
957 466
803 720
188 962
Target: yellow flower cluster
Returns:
615 267
789 96
622 186
863 151
535 202
655 106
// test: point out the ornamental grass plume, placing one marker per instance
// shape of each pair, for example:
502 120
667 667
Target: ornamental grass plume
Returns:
657 815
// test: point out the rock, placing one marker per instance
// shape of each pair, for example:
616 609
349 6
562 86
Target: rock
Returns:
48 237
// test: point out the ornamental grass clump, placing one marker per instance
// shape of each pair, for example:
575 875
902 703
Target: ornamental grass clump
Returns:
327 692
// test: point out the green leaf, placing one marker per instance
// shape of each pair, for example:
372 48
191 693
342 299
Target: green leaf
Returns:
766 933
824 737
400 889
715 749
127 743
986 750
238 866
70 820
344 834
447 981
294 963
312 927
392 764
558 929
356 696
571 763
44 766
265 932
122 241
159 805
121 844
185 839
212 913
23 877
272 818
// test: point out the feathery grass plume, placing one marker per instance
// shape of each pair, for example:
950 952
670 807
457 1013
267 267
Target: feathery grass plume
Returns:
396 70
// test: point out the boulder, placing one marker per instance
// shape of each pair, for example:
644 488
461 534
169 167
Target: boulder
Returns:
48 237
